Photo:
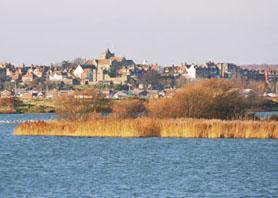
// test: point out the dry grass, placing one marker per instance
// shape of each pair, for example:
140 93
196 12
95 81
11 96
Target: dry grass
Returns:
193 128
147 127
94 128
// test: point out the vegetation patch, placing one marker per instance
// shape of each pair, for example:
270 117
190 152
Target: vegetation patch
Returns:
149 127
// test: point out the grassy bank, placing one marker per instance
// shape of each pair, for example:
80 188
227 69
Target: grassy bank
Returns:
36 106
19 105
147 127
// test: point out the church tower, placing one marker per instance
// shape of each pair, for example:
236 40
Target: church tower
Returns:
107 54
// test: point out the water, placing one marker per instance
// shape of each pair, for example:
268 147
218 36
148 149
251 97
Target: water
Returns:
266 114
152 167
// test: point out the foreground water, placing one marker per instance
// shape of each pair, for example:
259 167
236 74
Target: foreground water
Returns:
151 167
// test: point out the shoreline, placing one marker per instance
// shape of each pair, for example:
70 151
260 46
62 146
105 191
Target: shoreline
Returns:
148 127
27 113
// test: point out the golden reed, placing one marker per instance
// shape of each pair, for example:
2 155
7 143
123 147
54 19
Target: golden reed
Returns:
148 127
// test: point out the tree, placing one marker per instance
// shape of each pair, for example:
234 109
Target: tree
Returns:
150 77
128 108
82 104
206 99
65 64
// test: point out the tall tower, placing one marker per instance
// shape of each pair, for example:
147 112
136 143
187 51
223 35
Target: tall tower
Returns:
107 54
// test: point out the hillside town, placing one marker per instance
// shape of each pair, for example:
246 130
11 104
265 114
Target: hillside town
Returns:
119 77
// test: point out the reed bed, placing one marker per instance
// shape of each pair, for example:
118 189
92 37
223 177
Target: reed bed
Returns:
92 128
148 127
195 128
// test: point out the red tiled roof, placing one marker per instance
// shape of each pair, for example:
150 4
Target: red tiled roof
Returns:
104 62
91 62
117 58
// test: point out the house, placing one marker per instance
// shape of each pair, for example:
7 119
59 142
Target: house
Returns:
28 77
38 72
71 81
124 71
88 76
228 70
6 94
91 62
78 71
15 75
56 76
207 70
84 71
190 72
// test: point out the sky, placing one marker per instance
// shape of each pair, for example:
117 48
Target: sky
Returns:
160 31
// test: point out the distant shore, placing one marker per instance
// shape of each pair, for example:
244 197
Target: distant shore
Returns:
147 127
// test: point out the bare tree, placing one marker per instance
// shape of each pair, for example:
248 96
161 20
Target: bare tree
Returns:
82 104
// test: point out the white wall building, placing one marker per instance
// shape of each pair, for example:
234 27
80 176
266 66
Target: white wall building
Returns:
56 77
78 71
191 72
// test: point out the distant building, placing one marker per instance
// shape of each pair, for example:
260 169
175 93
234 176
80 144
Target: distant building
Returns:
86 73
28 77
228 70
56 76
6 94
108 68
207 70
38 71
191 72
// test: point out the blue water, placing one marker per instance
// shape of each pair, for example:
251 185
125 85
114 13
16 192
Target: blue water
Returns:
266 114
151 167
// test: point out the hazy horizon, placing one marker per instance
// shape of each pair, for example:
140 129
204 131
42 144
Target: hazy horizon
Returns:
168 32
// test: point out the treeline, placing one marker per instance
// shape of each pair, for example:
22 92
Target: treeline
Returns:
209 99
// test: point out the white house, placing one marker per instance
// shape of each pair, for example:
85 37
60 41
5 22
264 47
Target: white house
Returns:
191 72
78 71
56 77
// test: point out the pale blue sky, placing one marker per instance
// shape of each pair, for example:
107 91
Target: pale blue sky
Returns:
161 31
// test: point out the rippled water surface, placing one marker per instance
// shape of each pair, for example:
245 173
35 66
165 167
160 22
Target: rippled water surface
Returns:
151 167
